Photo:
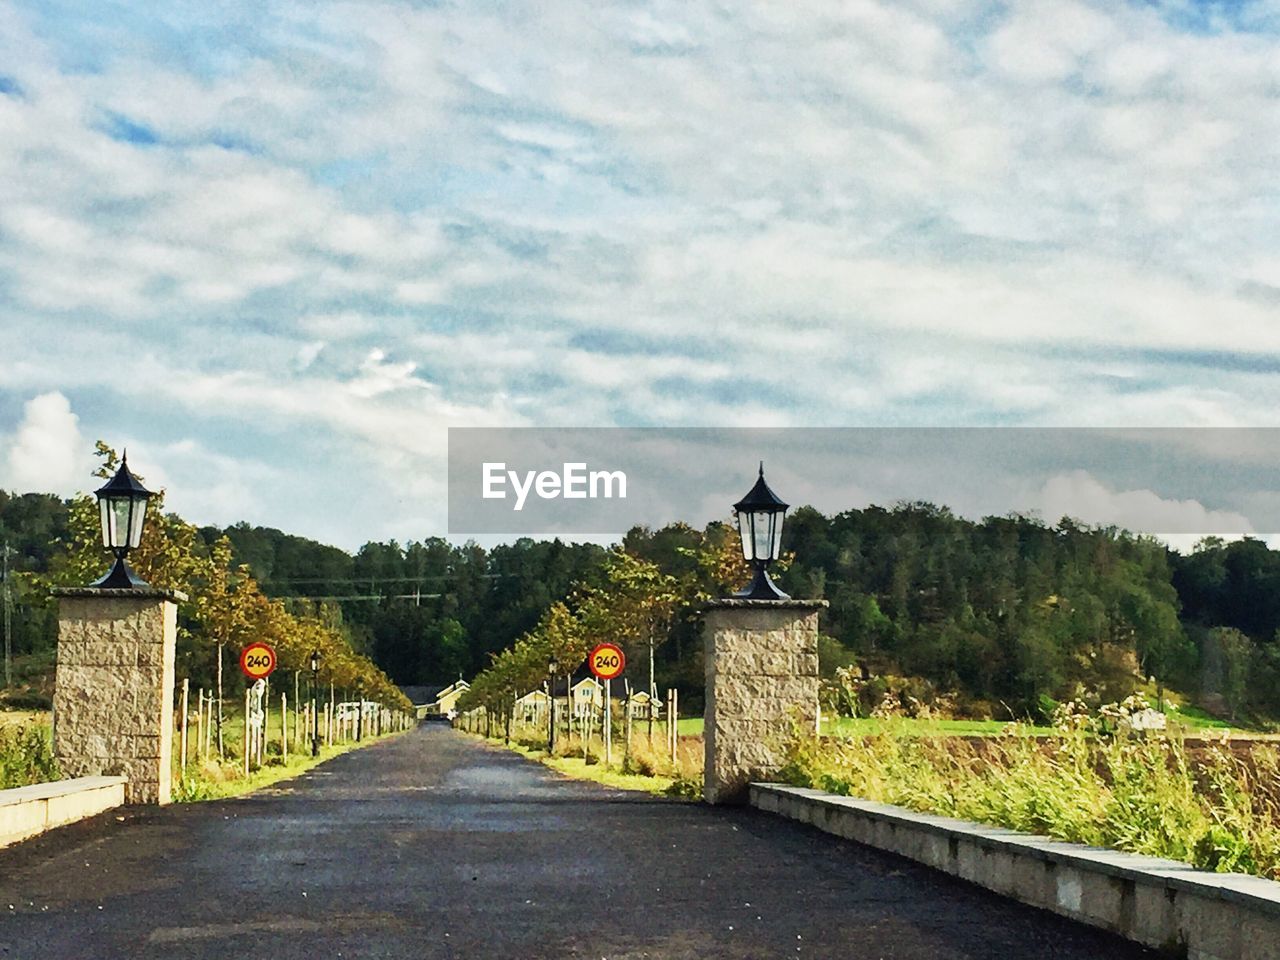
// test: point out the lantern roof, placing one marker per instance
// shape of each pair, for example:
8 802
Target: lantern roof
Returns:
124 483
760 498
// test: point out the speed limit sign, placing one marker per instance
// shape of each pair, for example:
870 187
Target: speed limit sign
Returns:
257 660
607 661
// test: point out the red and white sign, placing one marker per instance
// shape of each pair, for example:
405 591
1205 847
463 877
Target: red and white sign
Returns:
257 660
607 661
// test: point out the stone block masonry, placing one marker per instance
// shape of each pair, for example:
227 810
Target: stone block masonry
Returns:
762 675
113 694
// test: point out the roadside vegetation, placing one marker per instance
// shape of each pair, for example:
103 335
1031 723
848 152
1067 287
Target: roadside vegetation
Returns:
213 779
1215 806
26 751
645 766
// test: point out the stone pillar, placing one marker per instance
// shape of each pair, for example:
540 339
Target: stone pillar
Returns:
762 673
113 698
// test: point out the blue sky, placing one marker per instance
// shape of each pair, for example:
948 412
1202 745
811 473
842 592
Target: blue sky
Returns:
278 248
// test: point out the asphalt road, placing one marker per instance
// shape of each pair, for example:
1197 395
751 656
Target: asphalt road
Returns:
432 845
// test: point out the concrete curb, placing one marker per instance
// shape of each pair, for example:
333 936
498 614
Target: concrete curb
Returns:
27 811
1158 903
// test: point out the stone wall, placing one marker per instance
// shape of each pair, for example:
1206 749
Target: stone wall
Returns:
27 811
113 698
1162 904
762 675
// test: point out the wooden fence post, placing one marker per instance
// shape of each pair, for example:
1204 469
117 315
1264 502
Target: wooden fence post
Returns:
246 731
675 723
185 703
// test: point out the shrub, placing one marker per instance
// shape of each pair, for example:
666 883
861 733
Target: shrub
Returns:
26 756
1219 811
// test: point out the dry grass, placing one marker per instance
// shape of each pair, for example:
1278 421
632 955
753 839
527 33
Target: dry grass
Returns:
646 766
1216 808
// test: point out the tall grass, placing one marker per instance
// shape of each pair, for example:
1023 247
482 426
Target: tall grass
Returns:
26 755
1215 808
643 761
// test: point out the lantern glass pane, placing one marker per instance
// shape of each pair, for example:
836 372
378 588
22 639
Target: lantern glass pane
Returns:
776 536
115 529
138 512
106 517
745 535
762 528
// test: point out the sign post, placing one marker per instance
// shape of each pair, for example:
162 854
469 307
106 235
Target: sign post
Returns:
257 662
607 661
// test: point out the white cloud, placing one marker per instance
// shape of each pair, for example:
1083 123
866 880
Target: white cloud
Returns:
46 453
394 217
1079 495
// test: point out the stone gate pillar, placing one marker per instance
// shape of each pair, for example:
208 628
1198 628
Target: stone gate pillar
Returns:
113 694
762 671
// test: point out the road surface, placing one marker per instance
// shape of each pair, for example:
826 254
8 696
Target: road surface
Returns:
433 846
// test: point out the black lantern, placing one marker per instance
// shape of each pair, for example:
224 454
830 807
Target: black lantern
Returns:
553 667
315 715
122 505
760 515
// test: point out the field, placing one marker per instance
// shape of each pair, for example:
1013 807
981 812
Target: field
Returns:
1188 720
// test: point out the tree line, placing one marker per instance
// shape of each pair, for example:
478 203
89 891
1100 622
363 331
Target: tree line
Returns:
1007 614
58 543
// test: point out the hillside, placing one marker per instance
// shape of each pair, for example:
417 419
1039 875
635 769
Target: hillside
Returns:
1003 614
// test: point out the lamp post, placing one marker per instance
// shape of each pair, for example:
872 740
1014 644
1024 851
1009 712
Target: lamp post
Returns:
760 515
122 507
552 669
315 715
359 711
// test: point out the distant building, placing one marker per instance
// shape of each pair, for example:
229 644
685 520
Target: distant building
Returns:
421 697
532 707
446 701
640 703
587 694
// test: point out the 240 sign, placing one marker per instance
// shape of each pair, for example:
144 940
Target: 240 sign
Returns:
607 661
257 660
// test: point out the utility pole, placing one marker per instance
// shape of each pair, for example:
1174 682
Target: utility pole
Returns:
8 617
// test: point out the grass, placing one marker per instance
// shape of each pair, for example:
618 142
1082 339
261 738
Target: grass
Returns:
26 757
1189 719
856 727
212 778
648 768
611 776
1214 807
19 718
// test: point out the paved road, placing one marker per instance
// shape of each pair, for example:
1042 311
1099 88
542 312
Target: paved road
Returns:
434 846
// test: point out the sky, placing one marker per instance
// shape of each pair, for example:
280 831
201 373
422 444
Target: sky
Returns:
278 249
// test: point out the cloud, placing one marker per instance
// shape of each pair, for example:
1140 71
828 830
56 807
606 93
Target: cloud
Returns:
1080 496
46 453
366 221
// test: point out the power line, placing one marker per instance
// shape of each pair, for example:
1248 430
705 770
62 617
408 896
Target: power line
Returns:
372 581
